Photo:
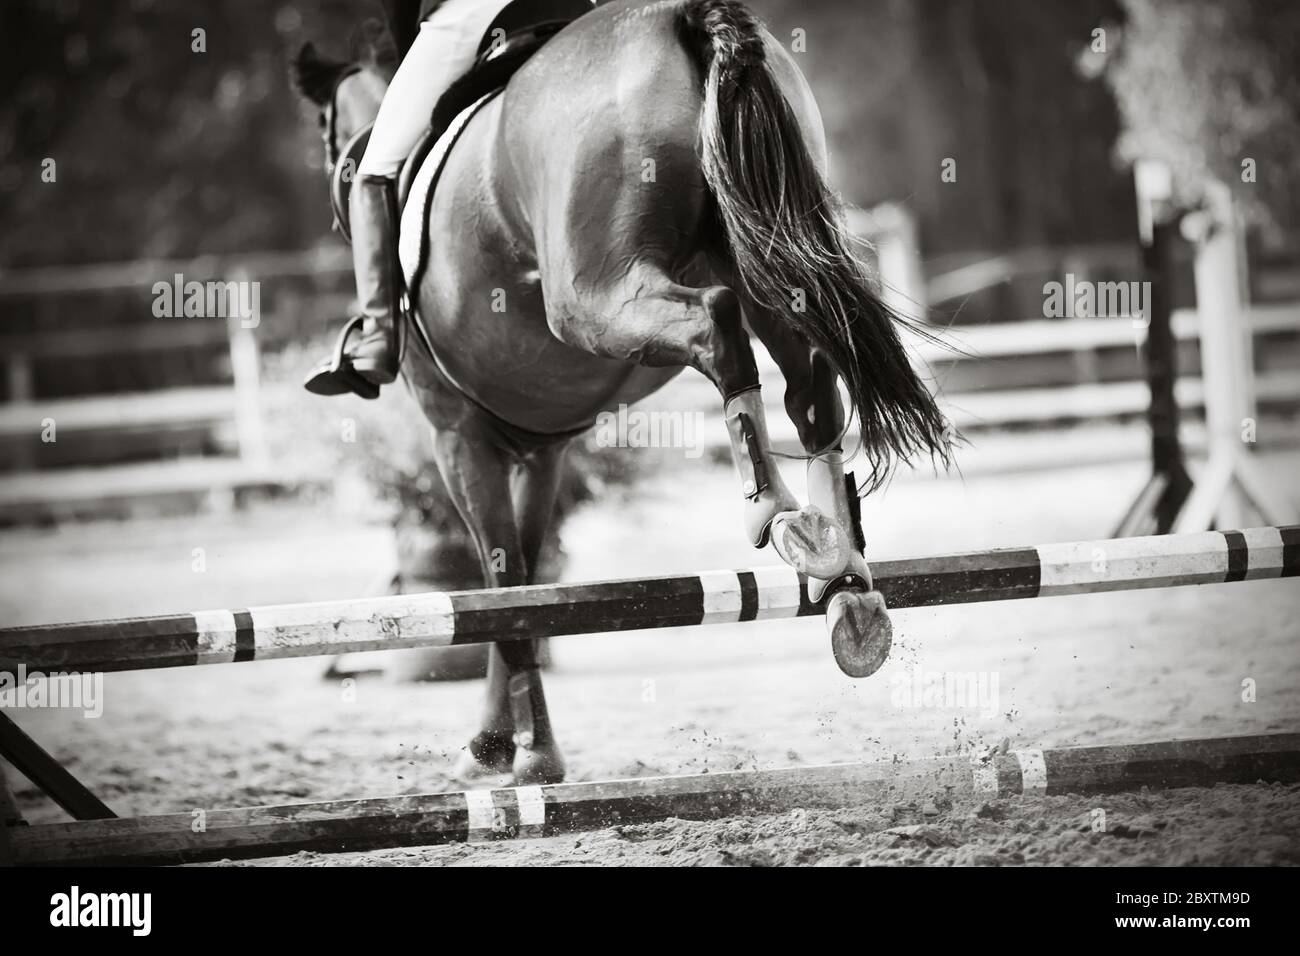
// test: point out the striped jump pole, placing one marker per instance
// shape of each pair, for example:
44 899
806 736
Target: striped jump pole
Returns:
441 619
522 812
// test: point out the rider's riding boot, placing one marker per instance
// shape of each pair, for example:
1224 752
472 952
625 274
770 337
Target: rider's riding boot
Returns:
765 493
379 281
368 354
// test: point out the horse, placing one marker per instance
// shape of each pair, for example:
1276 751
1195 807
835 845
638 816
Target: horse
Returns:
648 191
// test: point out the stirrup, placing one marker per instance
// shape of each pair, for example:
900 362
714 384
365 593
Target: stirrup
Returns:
336 376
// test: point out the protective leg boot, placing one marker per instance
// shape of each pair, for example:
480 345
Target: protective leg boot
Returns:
765 493
829 489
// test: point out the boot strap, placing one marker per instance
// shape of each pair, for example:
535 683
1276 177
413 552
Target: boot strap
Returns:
757 462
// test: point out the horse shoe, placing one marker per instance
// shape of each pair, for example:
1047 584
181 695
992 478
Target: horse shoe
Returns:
860 629
813 543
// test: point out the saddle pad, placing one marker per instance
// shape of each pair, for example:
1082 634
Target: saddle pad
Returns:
411 235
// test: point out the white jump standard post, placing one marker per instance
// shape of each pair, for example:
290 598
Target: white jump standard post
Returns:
1232 479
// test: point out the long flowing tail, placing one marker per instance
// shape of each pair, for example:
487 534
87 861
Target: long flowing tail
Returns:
788 243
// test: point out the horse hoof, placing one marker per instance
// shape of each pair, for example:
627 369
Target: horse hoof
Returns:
470 770
538 765
485 756
811 542
860 631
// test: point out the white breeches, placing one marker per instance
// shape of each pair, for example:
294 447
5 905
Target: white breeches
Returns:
443 50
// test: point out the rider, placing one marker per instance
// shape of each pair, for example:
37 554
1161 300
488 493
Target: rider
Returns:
441 49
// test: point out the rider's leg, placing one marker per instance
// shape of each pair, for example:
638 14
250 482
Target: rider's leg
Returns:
443 50
373 204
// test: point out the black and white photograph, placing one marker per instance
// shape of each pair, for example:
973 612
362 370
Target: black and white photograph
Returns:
529 434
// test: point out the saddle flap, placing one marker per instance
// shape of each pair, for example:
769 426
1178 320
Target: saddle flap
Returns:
344 173
419 177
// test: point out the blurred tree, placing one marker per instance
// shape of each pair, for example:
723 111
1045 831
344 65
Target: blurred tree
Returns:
163 150
1210 85
904 85
166 141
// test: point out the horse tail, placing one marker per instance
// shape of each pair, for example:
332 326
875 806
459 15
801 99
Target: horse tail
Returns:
787 241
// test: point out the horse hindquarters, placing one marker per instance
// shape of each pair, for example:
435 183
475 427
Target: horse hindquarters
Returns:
624 212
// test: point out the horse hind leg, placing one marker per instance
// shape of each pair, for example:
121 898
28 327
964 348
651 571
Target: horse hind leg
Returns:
515 730
861 634
650 319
